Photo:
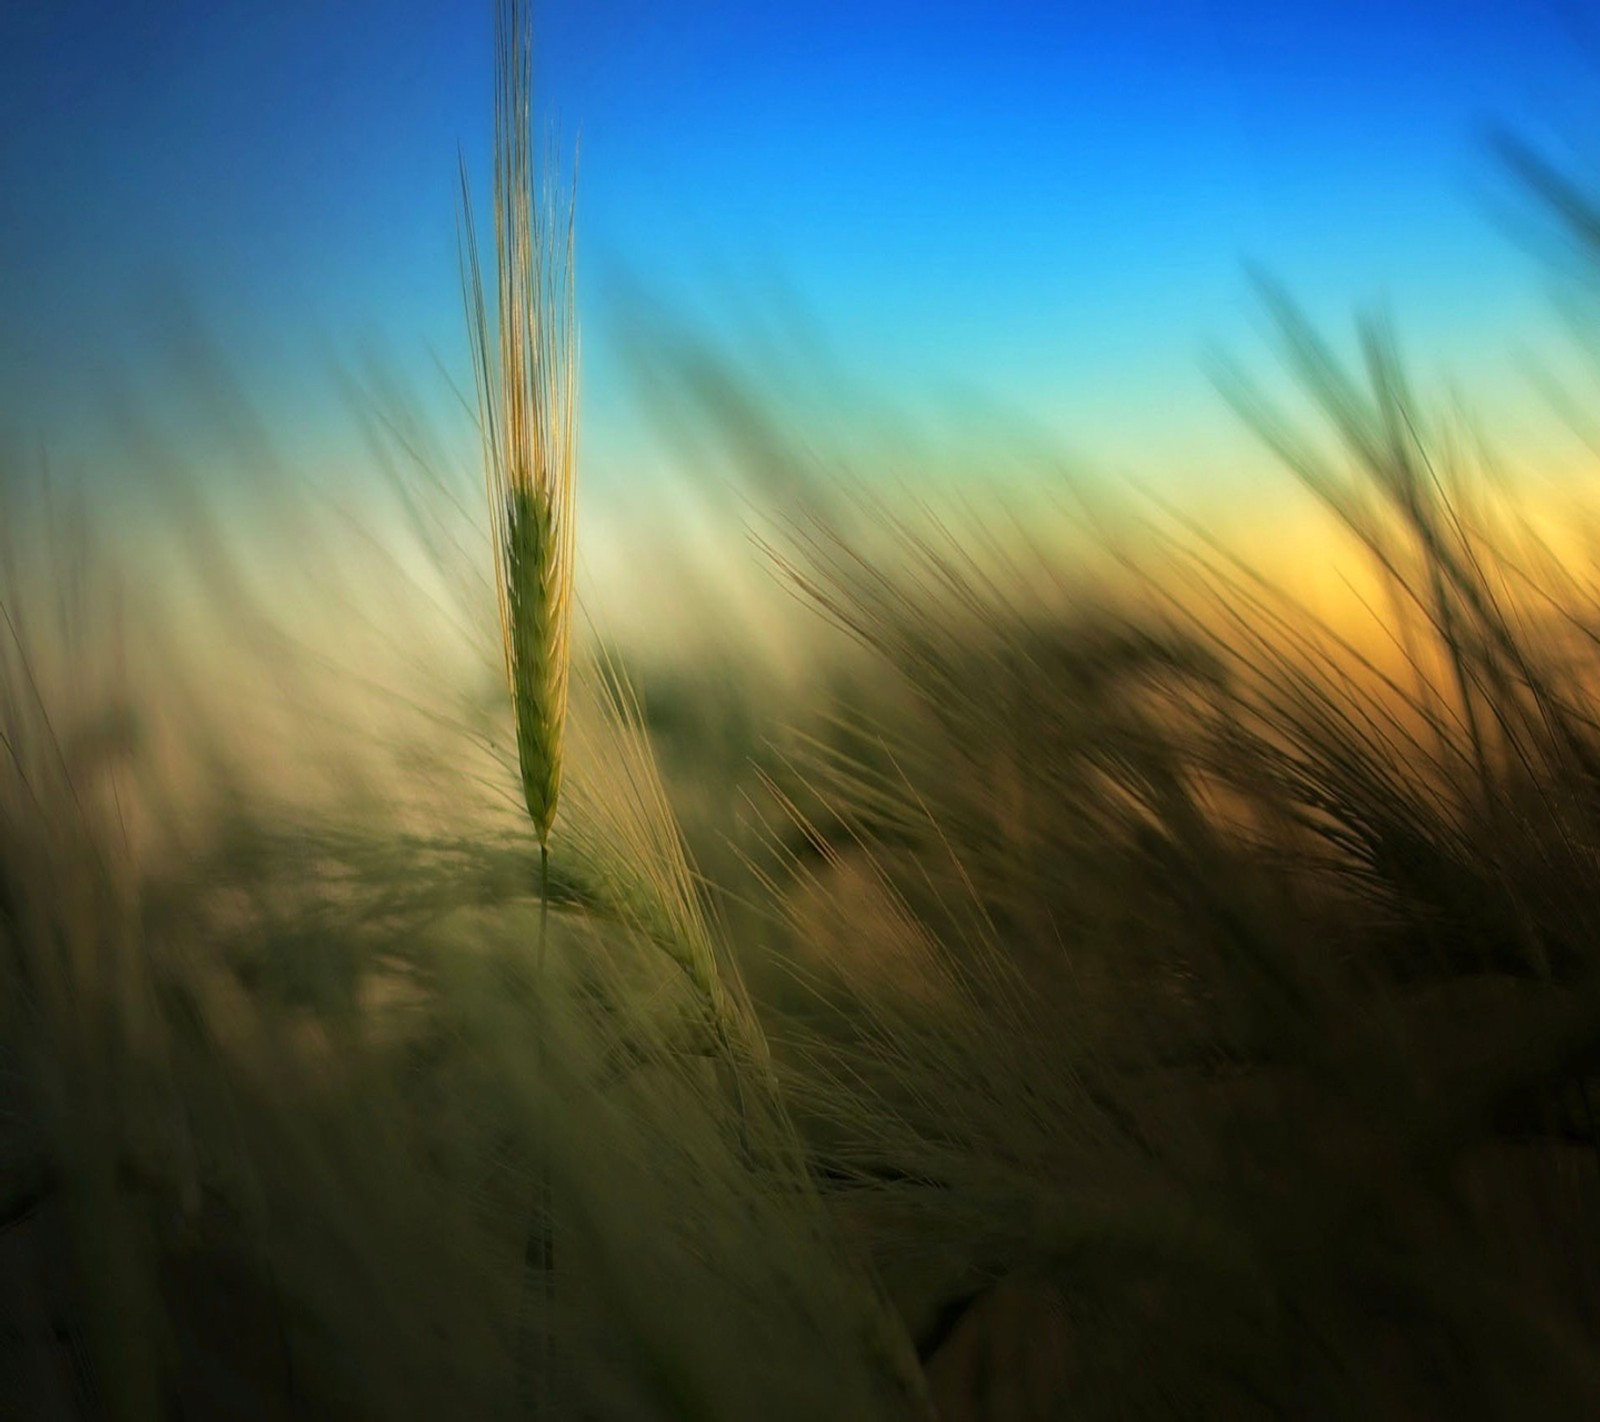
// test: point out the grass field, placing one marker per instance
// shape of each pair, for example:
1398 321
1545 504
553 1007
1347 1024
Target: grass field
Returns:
1075 979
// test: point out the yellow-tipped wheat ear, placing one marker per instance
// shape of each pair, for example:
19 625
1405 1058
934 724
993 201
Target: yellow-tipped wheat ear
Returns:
525 370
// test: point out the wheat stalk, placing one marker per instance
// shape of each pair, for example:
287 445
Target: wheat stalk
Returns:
525 370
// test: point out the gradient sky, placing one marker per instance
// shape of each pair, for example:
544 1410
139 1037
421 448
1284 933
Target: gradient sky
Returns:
1047 203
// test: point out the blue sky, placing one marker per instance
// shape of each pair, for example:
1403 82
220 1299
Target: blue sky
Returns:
1045 202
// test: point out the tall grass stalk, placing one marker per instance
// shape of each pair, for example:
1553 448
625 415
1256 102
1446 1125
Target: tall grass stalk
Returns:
525 370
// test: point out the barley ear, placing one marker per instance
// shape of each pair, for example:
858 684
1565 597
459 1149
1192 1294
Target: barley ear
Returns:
525 370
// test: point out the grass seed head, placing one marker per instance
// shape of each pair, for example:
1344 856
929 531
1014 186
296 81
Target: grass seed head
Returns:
525 369
537 653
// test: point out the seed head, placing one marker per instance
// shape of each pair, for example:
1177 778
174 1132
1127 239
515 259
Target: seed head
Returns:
524 367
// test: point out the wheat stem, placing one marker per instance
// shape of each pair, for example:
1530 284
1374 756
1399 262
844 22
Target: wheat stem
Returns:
525 371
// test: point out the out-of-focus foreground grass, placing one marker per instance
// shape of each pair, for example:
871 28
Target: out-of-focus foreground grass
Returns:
1148 999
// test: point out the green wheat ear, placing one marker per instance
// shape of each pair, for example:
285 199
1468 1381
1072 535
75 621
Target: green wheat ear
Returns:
525 369
537 653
